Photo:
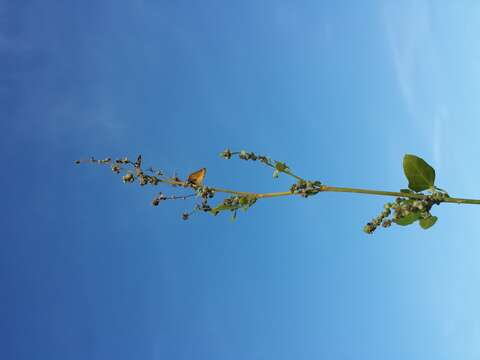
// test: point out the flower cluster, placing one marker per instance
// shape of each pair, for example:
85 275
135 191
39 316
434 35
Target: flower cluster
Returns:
306 188
95 161
116 168
128 178
245 155
226 154
235 203
406 211
379 220
160 197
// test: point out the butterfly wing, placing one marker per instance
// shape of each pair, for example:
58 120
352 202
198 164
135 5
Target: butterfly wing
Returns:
196 178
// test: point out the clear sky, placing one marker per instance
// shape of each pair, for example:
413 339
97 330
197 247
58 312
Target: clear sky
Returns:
340 90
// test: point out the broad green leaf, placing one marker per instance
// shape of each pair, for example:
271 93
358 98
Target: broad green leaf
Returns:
420 175
407 220
428 222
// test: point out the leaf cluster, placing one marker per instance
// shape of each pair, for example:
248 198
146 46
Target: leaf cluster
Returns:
416 204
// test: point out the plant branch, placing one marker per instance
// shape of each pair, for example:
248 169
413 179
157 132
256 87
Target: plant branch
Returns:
325 188
410 205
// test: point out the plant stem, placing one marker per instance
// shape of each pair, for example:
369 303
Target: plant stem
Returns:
325 188
293 175
322 188
396 194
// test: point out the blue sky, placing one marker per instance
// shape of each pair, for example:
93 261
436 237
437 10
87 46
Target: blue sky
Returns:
339 90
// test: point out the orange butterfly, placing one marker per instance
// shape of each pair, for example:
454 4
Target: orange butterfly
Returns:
197 177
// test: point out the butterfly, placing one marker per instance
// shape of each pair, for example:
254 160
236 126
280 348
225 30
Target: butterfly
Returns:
196 178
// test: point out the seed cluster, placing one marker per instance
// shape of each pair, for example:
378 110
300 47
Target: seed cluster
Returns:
405 211
379 220
248 156
235 203
306 188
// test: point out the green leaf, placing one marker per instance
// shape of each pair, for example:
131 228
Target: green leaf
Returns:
280 166
221 207
420 175
407 220
428 222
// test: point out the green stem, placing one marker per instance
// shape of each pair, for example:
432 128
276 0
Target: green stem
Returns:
322 188
325 188
396 194
293 175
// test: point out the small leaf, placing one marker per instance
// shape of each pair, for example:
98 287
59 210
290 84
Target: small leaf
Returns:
428 222
408 219
281 166
275 174
221 207
420 175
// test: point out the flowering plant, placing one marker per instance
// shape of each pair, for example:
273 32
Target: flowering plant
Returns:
412 204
